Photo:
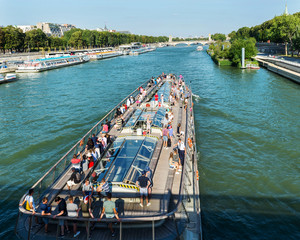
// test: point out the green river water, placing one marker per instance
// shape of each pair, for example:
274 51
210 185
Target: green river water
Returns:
247 125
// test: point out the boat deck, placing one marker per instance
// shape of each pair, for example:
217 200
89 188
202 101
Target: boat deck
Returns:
164 197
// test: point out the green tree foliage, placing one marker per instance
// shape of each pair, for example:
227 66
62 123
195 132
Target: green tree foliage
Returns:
280 29
12 38
2 39
35 38
235 52
218 36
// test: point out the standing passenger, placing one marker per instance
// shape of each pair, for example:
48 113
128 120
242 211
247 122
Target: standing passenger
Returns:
46 211
143 183
109 209
72 209
62 211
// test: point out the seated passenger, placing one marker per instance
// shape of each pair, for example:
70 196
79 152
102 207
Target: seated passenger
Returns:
103 188
93 178
76 162
104 128
87 188
74 179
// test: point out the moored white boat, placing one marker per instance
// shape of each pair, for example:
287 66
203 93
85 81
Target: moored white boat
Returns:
39 65
8 78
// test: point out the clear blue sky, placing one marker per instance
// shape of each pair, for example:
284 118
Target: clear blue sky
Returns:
157 17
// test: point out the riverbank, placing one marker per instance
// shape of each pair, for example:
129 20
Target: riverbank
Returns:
290 70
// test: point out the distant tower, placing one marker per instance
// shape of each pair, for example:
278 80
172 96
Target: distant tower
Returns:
170 39
209 37
286 10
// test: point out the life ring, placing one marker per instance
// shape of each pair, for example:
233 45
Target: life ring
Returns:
190 142
81 142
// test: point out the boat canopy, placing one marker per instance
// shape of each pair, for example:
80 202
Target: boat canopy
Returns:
139 118
130 157
165 90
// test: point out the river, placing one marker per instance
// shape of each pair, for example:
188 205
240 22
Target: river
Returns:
247 126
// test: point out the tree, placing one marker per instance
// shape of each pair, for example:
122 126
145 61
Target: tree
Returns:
35 38
284 29
14 38
76 39
218 36
235 52
2 39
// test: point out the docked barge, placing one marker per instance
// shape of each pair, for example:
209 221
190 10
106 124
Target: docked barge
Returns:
174 212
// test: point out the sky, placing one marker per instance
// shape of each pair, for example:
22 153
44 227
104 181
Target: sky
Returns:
178 18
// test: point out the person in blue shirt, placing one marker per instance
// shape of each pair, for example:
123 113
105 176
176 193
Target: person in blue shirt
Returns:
45 211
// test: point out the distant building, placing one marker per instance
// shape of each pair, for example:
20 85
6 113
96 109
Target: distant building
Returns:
26 28
53 29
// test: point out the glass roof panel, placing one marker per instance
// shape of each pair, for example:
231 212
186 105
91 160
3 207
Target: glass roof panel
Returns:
133 118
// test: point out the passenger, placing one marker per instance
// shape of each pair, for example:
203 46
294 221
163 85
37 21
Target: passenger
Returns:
94 139
119 123
176 160
148 123
74 179
128 102
93 178
132 101
108 124
156 99
90 162
118 112
104 140
109 140
181 151
72 209
86 210
30 206
149 175
104 128
165 134
76 162
94 154
171 132
87 188
89 144
103 189
178 129
45 211
98 148
62 211
162 99
109 209
143 183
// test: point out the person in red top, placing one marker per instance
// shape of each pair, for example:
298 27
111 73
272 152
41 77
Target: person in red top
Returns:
75 162
156 99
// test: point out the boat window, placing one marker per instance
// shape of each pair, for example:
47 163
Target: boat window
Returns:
159 117
141 160
124 160
134 117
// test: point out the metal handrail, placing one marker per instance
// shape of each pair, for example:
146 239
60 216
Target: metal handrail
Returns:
155 217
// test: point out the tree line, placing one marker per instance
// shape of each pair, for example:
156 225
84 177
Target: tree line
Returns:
281 29
13 39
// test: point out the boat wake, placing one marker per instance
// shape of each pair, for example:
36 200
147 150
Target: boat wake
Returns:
196 97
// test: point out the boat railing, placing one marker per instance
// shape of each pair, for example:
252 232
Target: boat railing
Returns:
188 196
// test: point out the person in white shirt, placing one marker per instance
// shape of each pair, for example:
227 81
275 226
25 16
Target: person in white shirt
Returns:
181 151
